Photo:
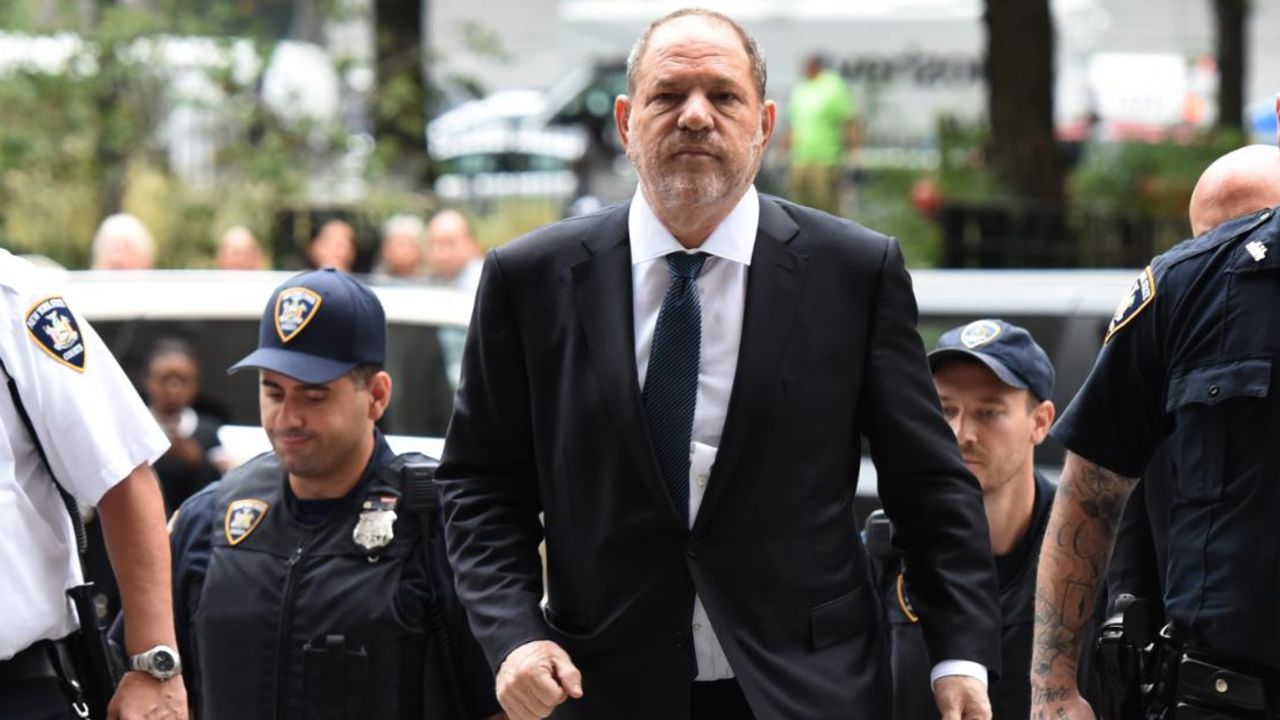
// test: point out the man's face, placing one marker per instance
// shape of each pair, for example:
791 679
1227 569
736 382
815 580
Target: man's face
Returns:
172 382
316 429
450 246
695 128
996 426
238 250
401 254
334 247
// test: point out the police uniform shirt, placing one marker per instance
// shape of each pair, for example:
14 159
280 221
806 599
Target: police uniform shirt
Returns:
1191 355
93 427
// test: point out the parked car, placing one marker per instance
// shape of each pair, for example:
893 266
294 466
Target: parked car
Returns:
218 312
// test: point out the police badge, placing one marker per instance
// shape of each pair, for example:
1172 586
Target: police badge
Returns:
374 528
53 327
242 518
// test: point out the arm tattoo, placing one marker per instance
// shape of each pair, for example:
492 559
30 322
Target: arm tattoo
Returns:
1073 561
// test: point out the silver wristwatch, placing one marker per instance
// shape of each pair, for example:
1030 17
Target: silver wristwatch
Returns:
160 662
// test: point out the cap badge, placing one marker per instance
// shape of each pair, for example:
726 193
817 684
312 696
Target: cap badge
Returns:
242 518
295 307
53 327
979 333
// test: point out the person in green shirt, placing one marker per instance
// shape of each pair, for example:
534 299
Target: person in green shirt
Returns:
822 127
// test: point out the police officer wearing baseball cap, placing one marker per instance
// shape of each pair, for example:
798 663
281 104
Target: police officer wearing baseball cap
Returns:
995 385
311 582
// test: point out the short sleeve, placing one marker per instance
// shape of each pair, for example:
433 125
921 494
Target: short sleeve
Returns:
1117 419
90 421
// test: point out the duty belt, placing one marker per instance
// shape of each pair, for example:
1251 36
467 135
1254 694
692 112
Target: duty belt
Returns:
1194 685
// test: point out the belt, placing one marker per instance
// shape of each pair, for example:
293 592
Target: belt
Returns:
1199 686
33 663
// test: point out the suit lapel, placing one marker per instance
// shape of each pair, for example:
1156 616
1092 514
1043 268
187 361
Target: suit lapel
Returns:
602 291
774 282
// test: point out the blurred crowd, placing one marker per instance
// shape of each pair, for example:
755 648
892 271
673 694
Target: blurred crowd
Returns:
442 251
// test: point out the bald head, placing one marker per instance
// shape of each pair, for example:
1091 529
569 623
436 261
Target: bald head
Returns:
1238 183
450 244
238 250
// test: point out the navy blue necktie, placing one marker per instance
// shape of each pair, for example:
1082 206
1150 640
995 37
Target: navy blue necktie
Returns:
671 383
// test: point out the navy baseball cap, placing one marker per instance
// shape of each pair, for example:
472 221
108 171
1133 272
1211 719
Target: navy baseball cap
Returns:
317 327
1008 350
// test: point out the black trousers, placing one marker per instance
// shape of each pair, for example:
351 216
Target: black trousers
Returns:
719 700
38 699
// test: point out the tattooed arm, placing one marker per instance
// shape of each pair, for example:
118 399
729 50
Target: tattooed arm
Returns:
1073 563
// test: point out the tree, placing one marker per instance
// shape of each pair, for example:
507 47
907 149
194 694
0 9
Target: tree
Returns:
1231 20
400 98
1019 74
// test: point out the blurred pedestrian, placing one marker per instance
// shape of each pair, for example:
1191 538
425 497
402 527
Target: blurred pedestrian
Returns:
454 257
238 249
822 132
122 242
400 255
334 246
195 457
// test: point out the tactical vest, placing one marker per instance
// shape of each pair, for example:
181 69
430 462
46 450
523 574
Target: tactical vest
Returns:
302 622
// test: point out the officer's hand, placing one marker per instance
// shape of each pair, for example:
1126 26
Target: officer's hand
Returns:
960 697
535 678
142 697
1061 705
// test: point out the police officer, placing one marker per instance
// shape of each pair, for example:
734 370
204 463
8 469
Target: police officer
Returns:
311 582
1190 356
74 431
995 383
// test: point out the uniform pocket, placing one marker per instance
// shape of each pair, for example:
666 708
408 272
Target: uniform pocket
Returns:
1217 408
335 679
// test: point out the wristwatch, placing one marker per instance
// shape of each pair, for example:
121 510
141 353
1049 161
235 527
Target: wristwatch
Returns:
160 662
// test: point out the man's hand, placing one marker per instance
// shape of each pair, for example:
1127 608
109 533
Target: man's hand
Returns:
535 678
960 697
142 697
1059 704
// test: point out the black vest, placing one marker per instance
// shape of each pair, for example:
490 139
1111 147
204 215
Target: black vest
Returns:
302 622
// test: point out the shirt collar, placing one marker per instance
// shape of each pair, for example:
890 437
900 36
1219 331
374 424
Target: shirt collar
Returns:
733 239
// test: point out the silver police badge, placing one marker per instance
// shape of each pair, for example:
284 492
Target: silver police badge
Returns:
377 518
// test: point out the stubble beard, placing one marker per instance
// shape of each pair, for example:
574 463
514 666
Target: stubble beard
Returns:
673 188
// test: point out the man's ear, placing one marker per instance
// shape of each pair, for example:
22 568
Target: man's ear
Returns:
622 118
1041 420
768 120
379 394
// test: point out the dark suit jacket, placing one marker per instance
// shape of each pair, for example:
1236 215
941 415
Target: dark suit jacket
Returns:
549 419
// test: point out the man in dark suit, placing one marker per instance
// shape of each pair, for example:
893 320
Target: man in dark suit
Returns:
679 384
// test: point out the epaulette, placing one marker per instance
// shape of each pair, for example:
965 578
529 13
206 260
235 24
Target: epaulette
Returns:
1232 230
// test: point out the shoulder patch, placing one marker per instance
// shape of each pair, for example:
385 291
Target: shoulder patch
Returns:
1133 303
53 327
904 602
243 517
295 307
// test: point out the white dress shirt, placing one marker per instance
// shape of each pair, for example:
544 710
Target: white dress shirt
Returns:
724 282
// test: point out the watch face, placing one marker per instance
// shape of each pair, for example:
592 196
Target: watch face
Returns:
162 661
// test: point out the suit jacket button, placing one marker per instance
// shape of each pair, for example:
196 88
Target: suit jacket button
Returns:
695 547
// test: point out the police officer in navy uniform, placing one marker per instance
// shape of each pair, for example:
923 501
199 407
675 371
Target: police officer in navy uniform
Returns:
995 383
1190 356
311 582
